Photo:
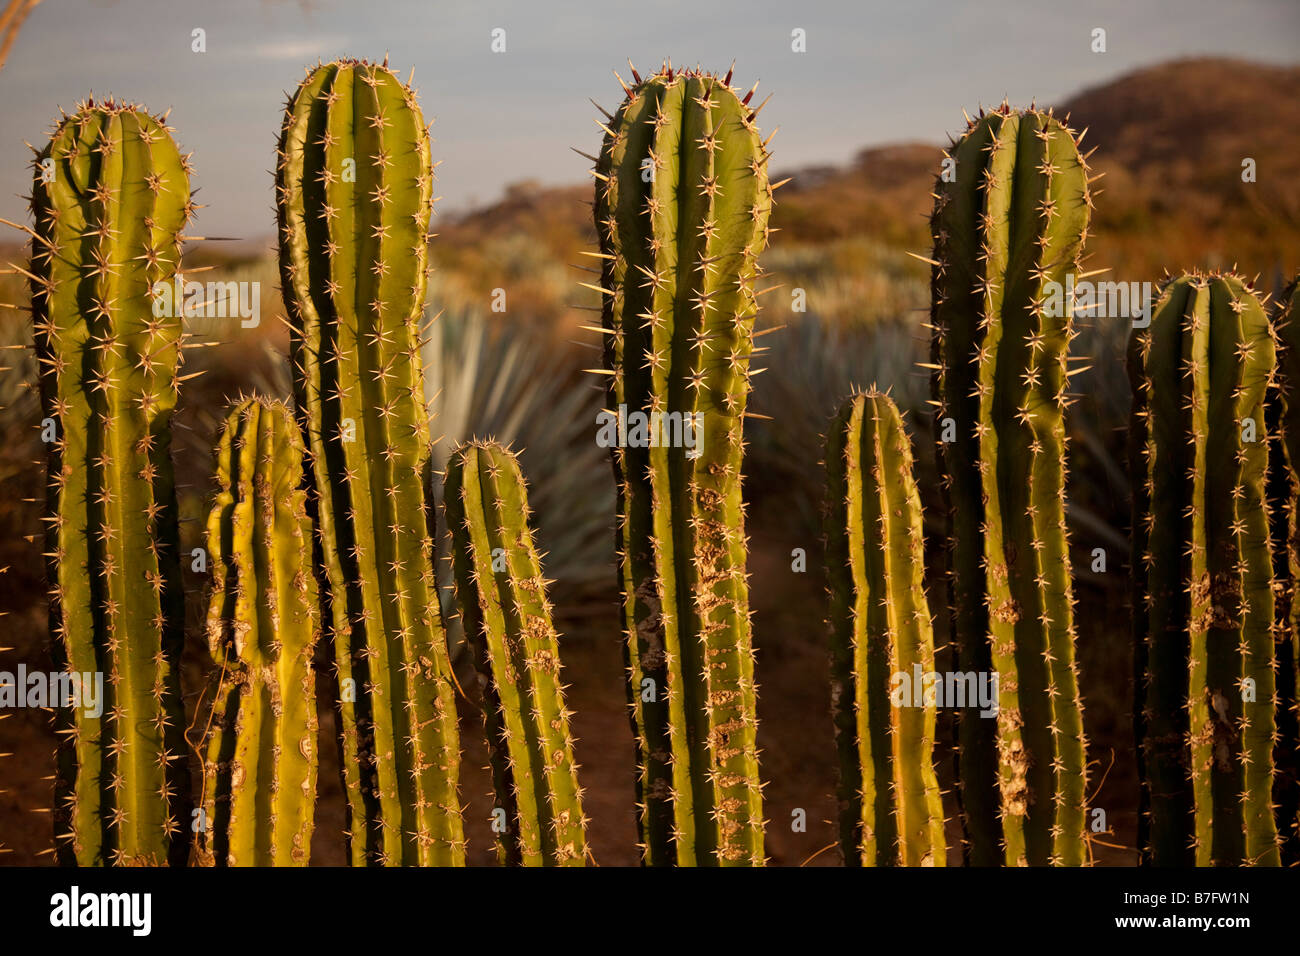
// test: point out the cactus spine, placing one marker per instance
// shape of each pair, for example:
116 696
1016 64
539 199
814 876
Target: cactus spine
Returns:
354 196
1284 496
891 812
110 197
682 204
263 621
1204 605
1009 225
507 618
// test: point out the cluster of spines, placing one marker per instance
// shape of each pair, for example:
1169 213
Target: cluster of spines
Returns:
263 623
1284 497
507 617
1012 219
354 196
110 197
891 809
682 206
1204 602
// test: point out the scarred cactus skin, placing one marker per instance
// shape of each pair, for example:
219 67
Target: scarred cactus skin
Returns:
1203 605
263 622
354 195
682 204
110 197
502 596
1013 219
891 812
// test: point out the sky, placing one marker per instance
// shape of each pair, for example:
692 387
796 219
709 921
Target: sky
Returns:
871 72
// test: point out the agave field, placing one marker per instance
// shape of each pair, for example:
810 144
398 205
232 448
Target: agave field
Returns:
363 559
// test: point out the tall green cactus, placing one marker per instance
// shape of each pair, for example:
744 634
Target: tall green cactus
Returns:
507 620
1204 607
682 203
263 621
1284 504
110 197
354 196
891 812
1010 217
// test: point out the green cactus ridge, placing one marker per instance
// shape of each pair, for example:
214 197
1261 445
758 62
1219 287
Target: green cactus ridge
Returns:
891 811
1204 603
354 196
682 205
1284 495
507 617
1012 219
263 622
110 197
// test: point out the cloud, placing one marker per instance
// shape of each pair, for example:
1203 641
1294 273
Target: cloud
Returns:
297 48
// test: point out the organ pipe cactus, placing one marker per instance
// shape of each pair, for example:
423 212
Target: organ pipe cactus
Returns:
1284 494
110 198
354 195
1010 217
507 620
263 622
1204 605
891 812
682 205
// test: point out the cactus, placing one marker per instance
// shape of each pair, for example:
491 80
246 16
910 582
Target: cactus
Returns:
1204 605
507 620
110 197
263 621
354 195
682 179
1284 496
891 812
1009 224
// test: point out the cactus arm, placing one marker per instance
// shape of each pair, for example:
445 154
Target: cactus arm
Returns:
263 622
355 196
1202 374
682 205
880 627
508 619
107 228
1021 189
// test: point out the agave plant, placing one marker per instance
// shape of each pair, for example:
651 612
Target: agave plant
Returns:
523 391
